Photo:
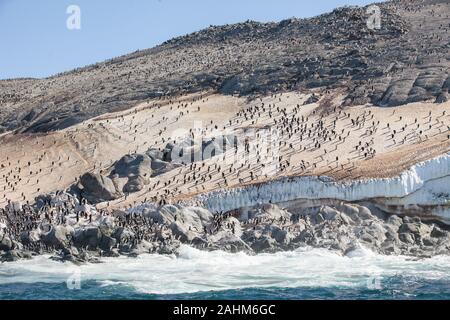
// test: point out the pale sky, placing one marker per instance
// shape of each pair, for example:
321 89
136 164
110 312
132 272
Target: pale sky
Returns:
37 43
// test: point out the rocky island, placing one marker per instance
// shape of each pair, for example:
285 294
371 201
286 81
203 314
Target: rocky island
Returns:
253 137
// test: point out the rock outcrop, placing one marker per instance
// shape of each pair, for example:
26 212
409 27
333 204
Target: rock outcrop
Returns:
98 188
264 228
134 171
406 60
137 168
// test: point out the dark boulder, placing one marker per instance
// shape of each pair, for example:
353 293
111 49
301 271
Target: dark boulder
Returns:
6 243
442 98
57 237
107 243
98 188
155 154
137 168
87 238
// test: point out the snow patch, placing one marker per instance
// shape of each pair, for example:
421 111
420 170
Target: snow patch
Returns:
431 178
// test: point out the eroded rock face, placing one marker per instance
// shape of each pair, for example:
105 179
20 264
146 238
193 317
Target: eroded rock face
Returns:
6 243
137 168
57 237
134 171
98 188
188 150
187 223
160 167
130 174
262 228
155 154
443 97
131 165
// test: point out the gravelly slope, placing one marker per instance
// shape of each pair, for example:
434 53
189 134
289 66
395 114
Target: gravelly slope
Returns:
406 61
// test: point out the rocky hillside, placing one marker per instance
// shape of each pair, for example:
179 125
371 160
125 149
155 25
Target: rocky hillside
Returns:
407 60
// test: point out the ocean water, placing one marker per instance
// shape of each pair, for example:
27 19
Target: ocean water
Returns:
302 274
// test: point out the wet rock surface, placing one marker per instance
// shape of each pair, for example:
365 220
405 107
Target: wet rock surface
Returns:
80 233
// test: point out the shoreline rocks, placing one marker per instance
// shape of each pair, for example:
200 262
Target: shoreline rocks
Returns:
264 228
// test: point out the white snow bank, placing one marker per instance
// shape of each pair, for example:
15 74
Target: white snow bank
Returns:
418 177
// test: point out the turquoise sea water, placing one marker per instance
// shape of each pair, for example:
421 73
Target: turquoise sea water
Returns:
400 289
302 274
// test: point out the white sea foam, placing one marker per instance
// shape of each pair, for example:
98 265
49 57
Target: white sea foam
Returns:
194 270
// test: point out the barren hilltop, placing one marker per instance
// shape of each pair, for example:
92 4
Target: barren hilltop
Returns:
405 61
234 106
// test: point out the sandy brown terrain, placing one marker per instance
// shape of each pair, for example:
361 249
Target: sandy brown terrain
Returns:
34 164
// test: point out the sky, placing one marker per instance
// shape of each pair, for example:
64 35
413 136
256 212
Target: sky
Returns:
36 42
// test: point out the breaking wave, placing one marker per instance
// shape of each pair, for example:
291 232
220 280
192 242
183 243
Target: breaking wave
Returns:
194 271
